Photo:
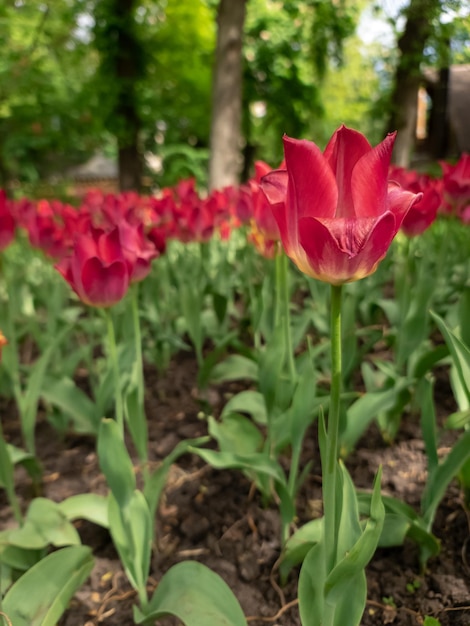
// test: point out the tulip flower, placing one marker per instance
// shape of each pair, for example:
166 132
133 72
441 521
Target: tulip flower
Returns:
423 212
3 342
97 269
456 183
7 222
336 211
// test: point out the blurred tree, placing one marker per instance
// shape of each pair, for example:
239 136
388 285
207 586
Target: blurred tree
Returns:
45 117
289 49
122 66
225 138
420 16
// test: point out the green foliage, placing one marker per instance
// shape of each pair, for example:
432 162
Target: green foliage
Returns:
48 586
43 109
195 595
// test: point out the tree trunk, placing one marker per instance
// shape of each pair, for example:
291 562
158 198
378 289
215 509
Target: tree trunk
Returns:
122 65
404 99
225 139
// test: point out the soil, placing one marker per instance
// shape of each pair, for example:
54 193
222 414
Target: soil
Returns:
217 517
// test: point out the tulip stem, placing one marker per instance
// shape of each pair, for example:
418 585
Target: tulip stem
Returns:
330 464
284 310
113 356
142 444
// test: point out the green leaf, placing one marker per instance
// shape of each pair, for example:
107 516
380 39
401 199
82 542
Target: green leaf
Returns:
195 595
458 420
311 586
359 554
299 544
43 593
131 528
65 395
154 485
236 433
45 524
459 351
31 464
440 478
249 401
6 476
361 413
89 506
235 367
136 421
34 389
428 422
271 362
115 461
258 463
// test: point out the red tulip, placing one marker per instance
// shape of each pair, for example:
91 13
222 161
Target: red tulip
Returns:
423 212
456 183
3 342
7 222
263 232
336 211
97 269
137 249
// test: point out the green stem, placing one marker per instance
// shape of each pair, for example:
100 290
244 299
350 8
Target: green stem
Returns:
330 464
113 356
140 379
283 288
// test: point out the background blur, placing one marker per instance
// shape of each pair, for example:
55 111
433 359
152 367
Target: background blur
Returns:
141 93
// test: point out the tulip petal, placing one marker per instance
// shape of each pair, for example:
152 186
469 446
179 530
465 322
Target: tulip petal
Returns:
312 186
109 246
103 285
331 262
400 201
369 179
274 186
343 151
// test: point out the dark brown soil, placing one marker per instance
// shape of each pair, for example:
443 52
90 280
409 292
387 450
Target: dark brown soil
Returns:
216 517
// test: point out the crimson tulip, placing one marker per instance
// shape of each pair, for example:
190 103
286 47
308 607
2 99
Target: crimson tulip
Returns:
97 269
337 212
7 222
423 212
263 232
456 183
3 342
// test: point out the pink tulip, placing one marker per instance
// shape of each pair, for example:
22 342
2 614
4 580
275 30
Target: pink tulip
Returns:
336 211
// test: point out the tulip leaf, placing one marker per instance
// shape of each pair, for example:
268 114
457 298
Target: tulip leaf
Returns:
442 475
155 484
236 433
65 395
42 594
361 413
255 462
195 595
131 528
89 506
248 401
312 579
115 461
45 524
299 544
235 367
34 389
271 363
459 351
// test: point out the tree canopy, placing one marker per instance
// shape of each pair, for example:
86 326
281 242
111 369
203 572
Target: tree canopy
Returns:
306 70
